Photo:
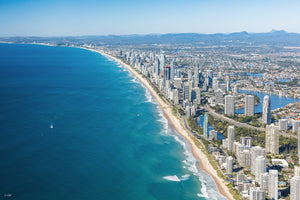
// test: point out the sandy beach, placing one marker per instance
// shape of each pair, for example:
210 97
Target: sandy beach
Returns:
167 109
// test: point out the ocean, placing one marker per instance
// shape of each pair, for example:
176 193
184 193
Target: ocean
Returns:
77 125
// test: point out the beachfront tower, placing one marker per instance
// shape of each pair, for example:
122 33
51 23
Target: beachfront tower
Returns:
266 116
205 125
272 139
229 105
273 184
230 134
229 161
249 105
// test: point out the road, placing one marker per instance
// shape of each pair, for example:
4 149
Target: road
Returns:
232 121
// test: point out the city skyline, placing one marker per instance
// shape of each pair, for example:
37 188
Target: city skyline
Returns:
77 18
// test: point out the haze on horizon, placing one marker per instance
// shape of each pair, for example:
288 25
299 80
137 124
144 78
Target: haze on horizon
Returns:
92 17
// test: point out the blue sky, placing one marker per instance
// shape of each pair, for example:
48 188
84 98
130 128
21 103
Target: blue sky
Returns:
98 17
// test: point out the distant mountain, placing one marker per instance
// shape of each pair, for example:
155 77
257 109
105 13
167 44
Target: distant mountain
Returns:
272 38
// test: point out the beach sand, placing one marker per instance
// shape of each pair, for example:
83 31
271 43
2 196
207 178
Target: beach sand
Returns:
167 109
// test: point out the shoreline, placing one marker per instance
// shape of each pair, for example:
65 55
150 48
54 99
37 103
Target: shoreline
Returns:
167 110
176 122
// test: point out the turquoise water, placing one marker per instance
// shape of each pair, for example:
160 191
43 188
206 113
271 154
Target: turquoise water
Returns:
109 139
276 101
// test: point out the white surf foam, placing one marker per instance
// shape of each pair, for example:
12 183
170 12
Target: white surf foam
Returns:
176 179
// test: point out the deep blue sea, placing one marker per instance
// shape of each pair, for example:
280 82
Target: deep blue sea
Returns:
108 140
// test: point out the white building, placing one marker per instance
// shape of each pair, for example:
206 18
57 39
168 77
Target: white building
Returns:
231 135
249 105
257 193
283 124
272 139
296 125
229 161
266 116
295 188
273 185
260 168
229 105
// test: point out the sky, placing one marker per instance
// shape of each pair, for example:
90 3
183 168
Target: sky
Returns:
123 17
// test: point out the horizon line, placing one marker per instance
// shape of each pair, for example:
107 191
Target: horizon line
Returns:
145 34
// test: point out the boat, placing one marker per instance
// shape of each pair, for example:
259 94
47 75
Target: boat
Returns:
51 125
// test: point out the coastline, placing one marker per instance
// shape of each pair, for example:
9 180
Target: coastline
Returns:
167 110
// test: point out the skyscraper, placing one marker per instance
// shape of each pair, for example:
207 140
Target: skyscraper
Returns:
229 105
205 125
172 71
156 67
295 188
230 134
249 105
260 167
186 92
296 125
219 96
266 115
283 124
227 83
229 161
162 62
167 73
273 184
257 193
215 83
272 139
255 152
196 75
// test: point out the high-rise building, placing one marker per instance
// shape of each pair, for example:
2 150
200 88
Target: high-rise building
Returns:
245 158
229 105
246 141
236 89
175 96
295 188
167 73
264 181
249 105
257 193
266 115
188 111
186 92
219 96
283 124
190 76
156 67
227 83
255 152
229 161
162 62
172 71
260 168
215 83
196 75
205 125
231 135
198 95
213 135
272 139
273 184
296 125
